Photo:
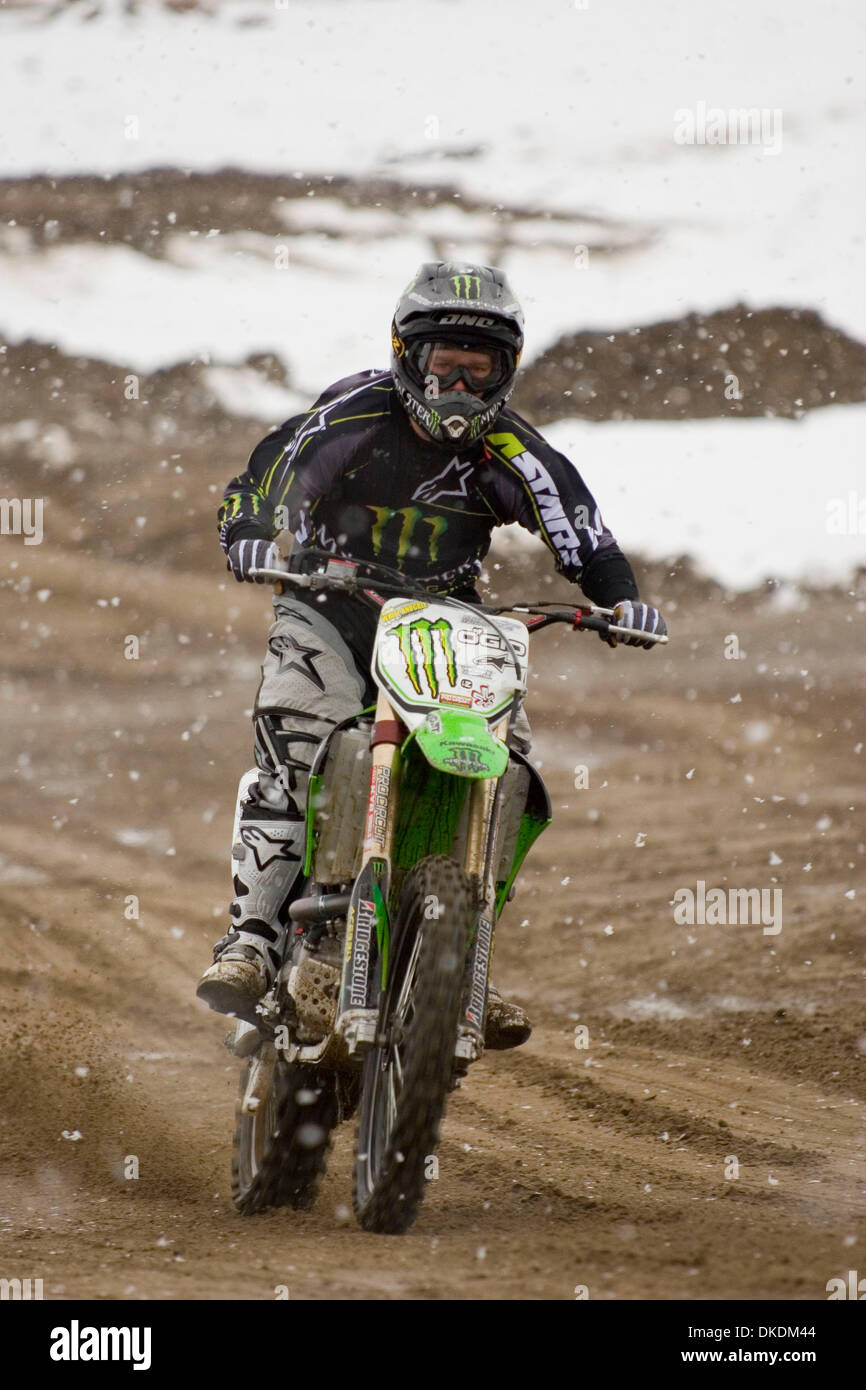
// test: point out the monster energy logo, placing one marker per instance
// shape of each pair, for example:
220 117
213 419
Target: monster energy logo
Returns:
466 286
409 519
427 635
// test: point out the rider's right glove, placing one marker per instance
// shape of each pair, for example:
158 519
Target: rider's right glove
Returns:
248 555
639 616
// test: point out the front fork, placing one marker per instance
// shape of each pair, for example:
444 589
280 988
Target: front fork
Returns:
357 1008
480 864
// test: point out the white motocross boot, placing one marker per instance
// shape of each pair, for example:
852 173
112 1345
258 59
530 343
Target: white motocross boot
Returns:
268 855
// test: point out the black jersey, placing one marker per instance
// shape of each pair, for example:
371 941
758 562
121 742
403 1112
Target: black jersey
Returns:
351 476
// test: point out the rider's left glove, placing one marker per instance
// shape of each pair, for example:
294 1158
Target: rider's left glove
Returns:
640 617
246 555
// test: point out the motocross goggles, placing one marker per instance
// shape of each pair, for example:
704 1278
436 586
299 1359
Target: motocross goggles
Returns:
479 382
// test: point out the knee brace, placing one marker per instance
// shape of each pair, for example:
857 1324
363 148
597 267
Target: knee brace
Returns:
285 745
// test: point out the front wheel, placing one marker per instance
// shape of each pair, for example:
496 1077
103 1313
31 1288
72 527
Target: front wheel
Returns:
281 1147
407 1078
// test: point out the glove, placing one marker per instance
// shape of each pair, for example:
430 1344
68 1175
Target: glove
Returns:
246 555
630 613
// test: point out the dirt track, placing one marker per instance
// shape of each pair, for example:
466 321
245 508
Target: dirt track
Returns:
559 1166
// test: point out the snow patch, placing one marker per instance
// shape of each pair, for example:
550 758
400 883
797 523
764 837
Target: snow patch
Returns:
20 875
653 1006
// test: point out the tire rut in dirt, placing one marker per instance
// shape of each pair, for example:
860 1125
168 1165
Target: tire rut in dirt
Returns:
281 1150
390 1161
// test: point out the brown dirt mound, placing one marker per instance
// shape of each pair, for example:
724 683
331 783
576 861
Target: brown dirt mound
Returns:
734 362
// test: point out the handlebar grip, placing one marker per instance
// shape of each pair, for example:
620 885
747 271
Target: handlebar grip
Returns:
660 637
269 574
602 625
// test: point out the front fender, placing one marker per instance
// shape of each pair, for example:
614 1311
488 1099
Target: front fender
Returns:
461 743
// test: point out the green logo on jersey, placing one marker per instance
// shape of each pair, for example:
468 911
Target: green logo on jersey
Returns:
466 286
409 519
427 633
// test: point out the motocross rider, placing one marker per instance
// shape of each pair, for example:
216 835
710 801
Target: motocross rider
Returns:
411 468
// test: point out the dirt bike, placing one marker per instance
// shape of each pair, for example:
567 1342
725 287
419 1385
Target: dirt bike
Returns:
419 816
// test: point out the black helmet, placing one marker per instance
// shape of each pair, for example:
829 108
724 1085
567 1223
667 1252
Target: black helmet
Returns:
467 306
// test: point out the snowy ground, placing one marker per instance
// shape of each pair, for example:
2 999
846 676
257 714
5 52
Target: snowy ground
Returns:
751 498
555 105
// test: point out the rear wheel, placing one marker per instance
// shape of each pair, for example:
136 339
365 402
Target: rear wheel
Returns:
281 1147
407 1079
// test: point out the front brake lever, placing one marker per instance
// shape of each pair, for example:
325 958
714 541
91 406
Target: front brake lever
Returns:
267 572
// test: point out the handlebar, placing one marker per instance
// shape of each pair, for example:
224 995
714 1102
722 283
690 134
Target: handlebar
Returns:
344 576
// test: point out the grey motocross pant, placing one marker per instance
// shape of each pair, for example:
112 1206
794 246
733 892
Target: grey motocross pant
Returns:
310 682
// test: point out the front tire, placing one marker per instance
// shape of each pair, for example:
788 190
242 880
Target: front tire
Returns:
281 1148
407 1079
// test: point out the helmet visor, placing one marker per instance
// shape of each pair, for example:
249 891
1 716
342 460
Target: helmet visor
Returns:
483 368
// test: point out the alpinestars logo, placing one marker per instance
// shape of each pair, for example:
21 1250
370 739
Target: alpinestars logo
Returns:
466 286
287 649
427 634
267 847
545 496
451 482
